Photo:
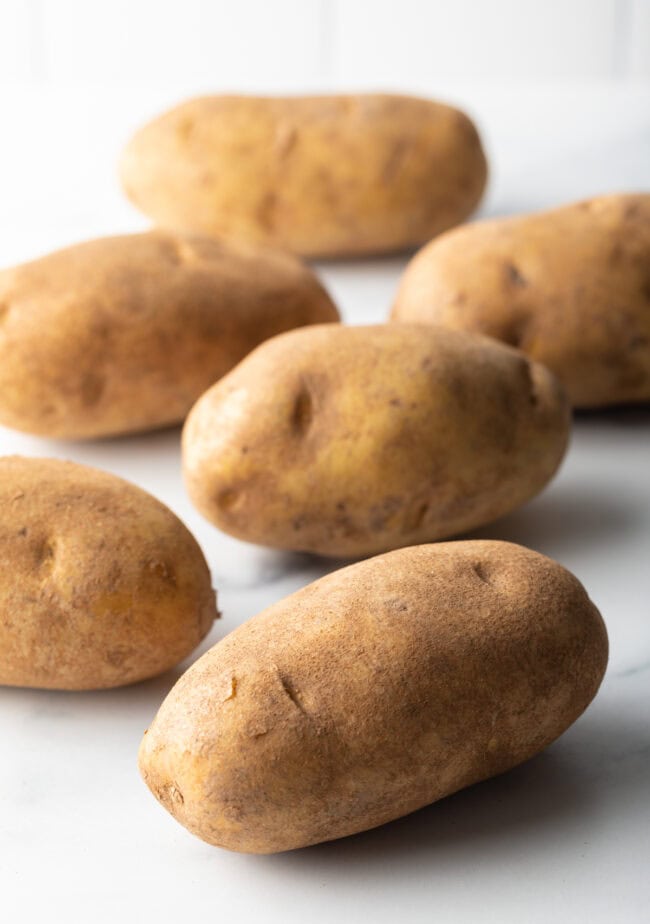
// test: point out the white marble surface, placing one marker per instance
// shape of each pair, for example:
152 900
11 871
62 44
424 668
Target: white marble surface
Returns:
563 838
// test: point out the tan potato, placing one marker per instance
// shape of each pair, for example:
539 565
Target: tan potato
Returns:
123 334
347 441
100 584
374 691
319 175
570 287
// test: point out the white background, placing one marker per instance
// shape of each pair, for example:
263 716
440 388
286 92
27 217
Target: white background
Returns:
561 92
292 44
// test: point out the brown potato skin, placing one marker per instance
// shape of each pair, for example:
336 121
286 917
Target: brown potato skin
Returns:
317 175
349 441
570 287
100 584
123 334
373 692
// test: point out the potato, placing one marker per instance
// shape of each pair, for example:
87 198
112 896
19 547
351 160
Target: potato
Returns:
100 584
570 287
123 334
348 441
319 175
374 691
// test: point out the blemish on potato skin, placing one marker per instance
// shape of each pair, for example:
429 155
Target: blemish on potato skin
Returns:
92 388
229 498
396 604
302 413
232 691
117 657
479 570
256 728
170 794
163 570
44 556
514 276
382 514
290 690
416 516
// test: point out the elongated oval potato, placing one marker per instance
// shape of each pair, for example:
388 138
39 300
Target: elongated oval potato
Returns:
100 584
347 441
123 334
374 691
570 287
319 175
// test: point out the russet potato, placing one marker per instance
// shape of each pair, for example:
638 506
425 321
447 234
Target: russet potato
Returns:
348 441
100 584
373 692
123 334
570 287
317 175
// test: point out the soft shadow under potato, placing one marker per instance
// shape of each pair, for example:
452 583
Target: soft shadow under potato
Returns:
625 415
564 518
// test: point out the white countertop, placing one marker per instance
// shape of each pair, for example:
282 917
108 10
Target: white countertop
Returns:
565 837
